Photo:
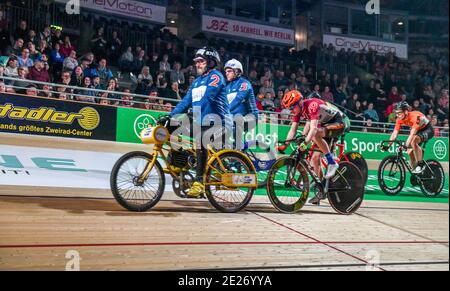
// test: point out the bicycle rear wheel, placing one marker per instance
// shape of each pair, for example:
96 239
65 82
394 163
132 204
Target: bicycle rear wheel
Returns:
228 199
358 160
288 185
346 189
432 179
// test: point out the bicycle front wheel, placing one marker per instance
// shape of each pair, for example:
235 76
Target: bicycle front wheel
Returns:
288 185
391 175
128 191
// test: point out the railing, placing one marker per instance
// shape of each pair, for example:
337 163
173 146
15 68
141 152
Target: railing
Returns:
265 116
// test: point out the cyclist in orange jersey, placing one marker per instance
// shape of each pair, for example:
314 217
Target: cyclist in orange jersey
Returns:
421 132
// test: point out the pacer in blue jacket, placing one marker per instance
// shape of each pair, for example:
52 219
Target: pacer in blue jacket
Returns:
207 98
241 98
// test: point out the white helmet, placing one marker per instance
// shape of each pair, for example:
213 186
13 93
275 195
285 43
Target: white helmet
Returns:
235 65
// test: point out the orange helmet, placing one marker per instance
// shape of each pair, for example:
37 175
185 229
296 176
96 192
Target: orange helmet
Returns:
291 98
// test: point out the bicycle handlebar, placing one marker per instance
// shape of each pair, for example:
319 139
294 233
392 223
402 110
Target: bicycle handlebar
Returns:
297 140
399 142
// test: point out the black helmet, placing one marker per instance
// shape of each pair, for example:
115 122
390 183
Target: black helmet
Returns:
401 106
210 55
313 95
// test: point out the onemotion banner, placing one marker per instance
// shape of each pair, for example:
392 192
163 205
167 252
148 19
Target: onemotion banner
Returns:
248 30
129 8
52 117
359 44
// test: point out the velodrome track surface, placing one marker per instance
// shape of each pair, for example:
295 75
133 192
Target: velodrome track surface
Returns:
39 224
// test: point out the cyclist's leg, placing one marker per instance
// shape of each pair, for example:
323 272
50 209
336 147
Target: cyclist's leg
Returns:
422 137
412 157
316 160
202 156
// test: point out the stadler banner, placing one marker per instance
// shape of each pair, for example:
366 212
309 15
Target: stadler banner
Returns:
248 30
52 117
130 8
356 44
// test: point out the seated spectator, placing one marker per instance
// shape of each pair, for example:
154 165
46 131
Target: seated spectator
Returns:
150 101
2 87
371 113
167 107
434 123
88 67
70 62
39 72
24 59
97 85
357 87
127 99
280 81
46 35
87 94
103 101
67 47
77 78
370 127
103 72
154 64
66 79
145 74
173 93
394 96
46 91
56 60
340 98
57 37
34 54
357 113
144 87
442 105
21 84
112 87
18 47
268 102
164 65
32 90
253 78
176 75
139 62
126 60
32 38
327 95
11 69
267 88
43 48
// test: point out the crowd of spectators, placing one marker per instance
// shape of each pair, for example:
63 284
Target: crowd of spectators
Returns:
51 56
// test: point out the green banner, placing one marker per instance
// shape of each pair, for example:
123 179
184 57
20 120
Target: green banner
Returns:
130 122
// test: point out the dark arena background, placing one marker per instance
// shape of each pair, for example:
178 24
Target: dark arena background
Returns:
85 83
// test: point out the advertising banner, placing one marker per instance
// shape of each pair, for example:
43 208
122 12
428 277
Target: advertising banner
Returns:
248 30
357 45
129 8
52 117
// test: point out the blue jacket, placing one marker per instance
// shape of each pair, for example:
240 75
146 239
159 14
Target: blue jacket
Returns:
241 97
207 94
